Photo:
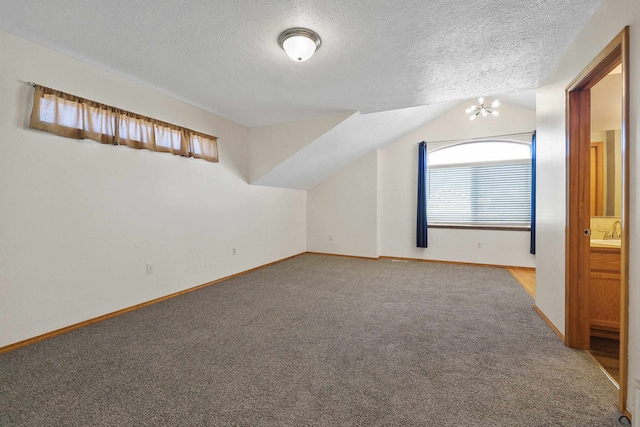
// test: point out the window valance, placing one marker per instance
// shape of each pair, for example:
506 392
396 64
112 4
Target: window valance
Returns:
74 117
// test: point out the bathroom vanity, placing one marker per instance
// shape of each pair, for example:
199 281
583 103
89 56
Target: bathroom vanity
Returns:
604 289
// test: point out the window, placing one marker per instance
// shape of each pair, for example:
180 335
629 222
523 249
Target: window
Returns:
480 183
70 116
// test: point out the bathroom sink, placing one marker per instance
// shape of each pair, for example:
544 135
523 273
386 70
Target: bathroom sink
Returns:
601 242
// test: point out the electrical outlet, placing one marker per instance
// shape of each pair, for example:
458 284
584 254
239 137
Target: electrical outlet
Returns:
233 251
149 268
330 238
479 245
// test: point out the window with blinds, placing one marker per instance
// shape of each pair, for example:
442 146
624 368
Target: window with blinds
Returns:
485 183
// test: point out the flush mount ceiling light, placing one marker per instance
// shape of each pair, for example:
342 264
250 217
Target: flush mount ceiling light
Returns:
482 109
299 43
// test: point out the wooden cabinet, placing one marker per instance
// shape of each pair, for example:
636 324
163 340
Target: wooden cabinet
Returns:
604 292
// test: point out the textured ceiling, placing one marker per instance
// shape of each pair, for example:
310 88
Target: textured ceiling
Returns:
375 56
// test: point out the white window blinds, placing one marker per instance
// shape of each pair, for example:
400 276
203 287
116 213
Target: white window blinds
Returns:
486 190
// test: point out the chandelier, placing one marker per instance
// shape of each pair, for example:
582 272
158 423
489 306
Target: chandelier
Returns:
483 109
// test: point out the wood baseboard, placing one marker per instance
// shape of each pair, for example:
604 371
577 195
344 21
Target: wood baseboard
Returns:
423 260
454 262
343 256
551 325
88 322
75 326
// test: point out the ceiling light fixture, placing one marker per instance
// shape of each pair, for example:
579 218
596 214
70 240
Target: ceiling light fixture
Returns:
299 43
482 109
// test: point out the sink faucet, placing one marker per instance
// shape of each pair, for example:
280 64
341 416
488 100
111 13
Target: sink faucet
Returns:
616 232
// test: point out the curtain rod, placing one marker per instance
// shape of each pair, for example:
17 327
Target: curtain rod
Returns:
479 137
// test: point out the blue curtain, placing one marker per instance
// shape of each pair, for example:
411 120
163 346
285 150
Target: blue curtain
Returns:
422 235
532 247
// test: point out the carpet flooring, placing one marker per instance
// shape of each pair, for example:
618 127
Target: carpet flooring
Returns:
317 341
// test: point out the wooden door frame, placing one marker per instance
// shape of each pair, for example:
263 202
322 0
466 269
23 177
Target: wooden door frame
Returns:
577 334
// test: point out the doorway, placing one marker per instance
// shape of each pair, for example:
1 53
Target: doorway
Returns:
588 269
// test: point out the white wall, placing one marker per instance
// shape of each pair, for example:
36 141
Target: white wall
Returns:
273 144
342 212
79 220
365 219
399 189
605 24
606 103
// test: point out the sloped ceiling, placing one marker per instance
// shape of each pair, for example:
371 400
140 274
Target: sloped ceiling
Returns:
376 55
348 141
385 68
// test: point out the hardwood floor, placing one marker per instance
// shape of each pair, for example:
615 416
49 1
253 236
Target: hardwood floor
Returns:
526 277
605 351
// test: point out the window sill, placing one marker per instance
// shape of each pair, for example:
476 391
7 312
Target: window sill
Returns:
481 227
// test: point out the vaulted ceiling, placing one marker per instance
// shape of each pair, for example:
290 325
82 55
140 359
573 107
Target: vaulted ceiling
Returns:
390 66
